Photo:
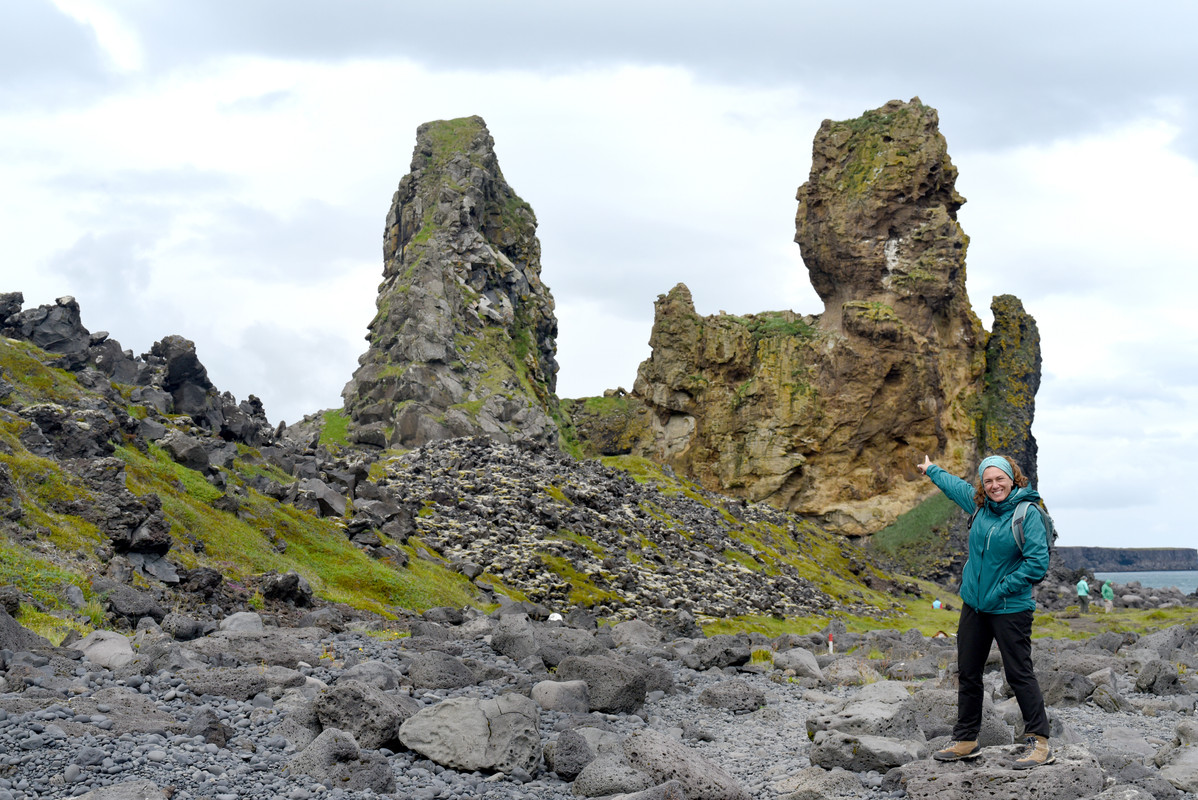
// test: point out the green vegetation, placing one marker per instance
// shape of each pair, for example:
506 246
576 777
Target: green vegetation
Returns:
918 539
335 432
25 366
583 592
873 311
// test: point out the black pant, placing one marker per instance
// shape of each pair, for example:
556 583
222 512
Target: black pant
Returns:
1013 632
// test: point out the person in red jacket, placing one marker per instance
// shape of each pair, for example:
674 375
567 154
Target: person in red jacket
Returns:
996 589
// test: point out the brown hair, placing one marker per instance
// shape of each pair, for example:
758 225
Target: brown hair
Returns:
1019 479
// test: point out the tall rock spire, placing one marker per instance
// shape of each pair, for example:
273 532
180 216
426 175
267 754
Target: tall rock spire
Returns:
828 415
464 341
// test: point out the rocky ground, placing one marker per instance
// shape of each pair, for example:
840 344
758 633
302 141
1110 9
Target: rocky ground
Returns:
511 705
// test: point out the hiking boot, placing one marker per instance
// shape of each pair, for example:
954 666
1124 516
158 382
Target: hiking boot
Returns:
1037 753
958 751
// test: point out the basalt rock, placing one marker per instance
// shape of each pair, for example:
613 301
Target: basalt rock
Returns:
1012 380
827 415
464 340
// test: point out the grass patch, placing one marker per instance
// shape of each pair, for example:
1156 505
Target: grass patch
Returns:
36 576
582 591
334 433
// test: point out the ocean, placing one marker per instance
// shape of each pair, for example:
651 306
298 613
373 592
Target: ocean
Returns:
1184 579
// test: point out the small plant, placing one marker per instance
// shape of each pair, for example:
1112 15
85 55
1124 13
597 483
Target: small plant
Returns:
761 655
257 601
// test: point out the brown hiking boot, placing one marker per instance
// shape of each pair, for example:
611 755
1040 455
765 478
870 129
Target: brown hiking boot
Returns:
1036 754
958 751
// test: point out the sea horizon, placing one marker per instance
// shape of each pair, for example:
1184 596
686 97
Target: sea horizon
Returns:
1185 580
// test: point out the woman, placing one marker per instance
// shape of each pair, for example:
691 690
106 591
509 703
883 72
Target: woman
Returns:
996 588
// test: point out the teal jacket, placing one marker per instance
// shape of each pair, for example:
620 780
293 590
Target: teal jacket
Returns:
998 577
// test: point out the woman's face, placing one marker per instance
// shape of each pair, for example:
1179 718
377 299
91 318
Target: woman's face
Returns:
996 484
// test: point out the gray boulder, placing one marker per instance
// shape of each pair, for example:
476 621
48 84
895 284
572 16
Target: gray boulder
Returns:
243 621
434 669
106 649
236 683
570 755
722 650
613 686
514 637
556 644
611 775
368 714
1159 677
206 724
801 661
636 633
129 790
1075 775
333 758
670 790
378 674
182 627
567 697
290 587
1064 688
464 733
817 783
130 603
935 713
879 709
862 753
187 451
285 647
666 759
1179 763
1124 792
16 638
733 695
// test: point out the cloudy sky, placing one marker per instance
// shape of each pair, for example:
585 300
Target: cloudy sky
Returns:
221 169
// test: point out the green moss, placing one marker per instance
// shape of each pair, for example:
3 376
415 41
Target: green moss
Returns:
582 591
558 495
34 381
34 574
334 433
873 311
242 545
744 559
918 539
590 544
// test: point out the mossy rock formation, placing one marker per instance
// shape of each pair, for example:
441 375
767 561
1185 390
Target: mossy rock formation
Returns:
464 341
827 415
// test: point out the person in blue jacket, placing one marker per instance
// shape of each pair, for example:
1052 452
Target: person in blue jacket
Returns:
996 589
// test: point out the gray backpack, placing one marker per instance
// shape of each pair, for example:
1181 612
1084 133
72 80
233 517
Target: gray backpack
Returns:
1050 530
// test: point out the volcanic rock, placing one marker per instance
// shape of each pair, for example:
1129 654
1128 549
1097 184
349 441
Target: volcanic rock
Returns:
827 415
464 340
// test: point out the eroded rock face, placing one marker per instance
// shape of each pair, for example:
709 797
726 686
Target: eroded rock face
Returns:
827 415
464 341
1012 380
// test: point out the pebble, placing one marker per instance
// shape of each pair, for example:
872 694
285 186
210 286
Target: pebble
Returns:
39 760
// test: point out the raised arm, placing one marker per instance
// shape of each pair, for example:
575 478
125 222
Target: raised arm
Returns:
957 490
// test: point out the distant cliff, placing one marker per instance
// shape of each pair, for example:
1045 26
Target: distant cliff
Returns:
1128 559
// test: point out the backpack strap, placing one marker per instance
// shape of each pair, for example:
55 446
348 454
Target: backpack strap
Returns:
1017 521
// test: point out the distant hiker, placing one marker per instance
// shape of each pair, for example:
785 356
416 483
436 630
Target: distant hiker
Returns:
1083 594
1108 597
996 590
936 604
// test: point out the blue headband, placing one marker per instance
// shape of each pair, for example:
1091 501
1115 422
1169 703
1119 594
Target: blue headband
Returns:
996 461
